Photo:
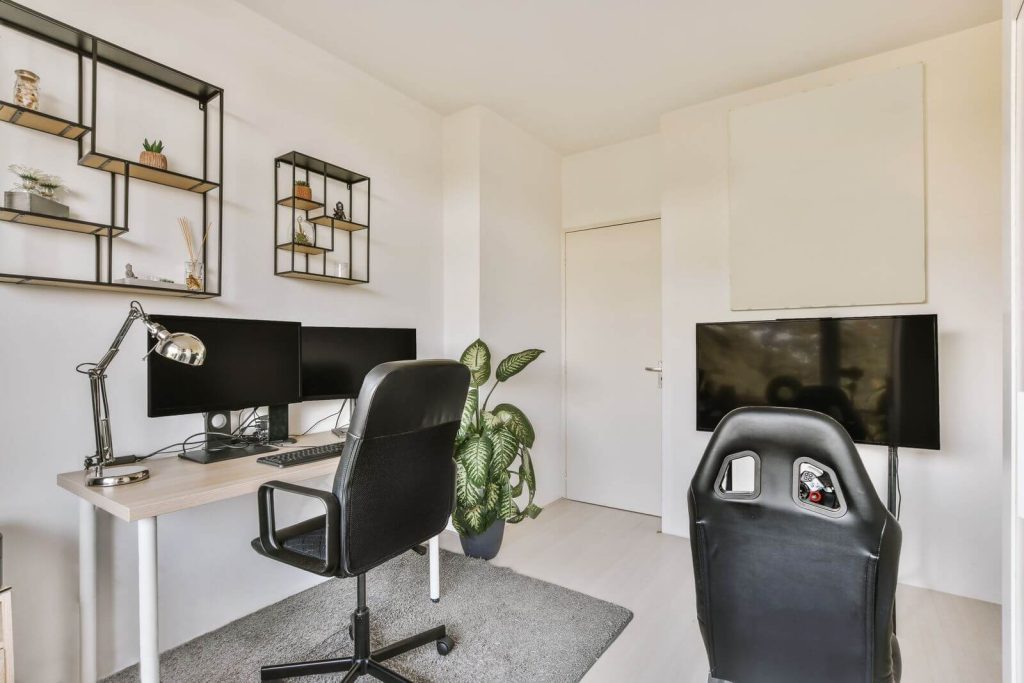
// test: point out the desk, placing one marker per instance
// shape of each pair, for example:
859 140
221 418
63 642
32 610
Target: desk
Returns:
174 485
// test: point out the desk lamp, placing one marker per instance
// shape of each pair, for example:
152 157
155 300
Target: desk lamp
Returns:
177 346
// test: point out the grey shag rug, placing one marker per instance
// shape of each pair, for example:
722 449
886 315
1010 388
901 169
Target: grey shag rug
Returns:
506 626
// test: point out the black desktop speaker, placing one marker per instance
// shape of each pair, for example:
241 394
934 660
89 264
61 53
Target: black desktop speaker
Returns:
277 430
217 422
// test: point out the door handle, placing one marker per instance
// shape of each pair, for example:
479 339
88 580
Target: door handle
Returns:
656 368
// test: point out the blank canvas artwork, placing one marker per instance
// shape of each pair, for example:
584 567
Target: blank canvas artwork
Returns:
827 196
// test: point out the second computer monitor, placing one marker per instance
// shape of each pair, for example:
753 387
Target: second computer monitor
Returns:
336 359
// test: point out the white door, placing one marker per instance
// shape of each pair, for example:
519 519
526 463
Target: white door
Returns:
612 332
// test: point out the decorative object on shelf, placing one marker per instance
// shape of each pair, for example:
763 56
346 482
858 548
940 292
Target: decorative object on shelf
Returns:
488 444
302 190
195 269
300 231
181 347
152 154
28 178
34 192
195 274
26 89
50 185
128 272
32 202
339 211
343 270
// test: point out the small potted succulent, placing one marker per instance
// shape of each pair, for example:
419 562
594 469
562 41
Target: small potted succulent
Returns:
303 190
152 154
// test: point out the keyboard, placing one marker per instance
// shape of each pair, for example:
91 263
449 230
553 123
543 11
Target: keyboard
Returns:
301 456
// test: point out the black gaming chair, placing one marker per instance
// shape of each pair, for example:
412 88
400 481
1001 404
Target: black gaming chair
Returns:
393 490
796 568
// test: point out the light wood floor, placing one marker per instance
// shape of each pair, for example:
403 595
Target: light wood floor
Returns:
620 556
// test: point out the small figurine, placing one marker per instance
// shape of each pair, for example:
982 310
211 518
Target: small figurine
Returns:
128 272
339 212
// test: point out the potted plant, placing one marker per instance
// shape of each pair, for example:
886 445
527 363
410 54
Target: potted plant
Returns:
50 185
28 178
488 447
151 154
302 190
300 232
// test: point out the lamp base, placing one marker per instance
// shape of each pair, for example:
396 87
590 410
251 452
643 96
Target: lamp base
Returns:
116 476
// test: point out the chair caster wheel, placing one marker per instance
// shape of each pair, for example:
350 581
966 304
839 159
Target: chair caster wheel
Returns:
445 645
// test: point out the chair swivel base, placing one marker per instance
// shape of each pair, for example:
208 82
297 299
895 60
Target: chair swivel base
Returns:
363 662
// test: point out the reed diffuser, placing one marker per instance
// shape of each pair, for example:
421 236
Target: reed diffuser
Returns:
195 271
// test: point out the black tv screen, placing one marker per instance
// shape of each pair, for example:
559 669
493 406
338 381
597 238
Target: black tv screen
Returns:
249 363
336 359
877 376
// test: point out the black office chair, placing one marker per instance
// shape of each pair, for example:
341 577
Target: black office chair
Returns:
393 490
796 565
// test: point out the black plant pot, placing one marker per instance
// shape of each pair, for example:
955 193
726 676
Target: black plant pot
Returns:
485 545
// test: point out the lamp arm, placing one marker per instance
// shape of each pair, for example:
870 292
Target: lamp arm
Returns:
98 388
134 314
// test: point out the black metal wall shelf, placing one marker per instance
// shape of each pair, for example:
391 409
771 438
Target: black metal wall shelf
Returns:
42 27
301 248
42 220
93 52
337 223
303 275
41 121
105 162
102 286
299 203
302 167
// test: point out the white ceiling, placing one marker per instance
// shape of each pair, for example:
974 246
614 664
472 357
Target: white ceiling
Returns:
584 73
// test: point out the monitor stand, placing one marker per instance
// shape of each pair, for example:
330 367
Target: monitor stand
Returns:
210 455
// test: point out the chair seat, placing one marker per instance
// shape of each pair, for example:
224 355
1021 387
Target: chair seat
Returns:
306 538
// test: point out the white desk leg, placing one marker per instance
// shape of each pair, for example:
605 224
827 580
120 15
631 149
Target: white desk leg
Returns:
87 591
434 551
149 646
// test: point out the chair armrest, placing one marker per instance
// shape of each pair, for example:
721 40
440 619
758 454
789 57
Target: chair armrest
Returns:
268 529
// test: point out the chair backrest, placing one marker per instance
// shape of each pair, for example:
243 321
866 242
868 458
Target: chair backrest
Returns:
396 477
790 591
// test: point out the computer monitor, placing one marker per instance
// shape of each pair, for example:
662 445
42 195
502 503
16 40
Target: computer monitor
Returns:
249 363
336 359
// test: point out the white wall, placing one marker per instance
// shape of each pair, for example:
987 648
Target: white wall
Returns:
281 94
511 256
612 184
951 513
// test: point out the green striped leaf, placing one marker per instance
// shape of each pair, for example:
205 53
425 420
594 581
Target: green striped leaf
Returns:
527 473
461 484
506 446
475 455
468 414
516 422
477 357
507 508
514 363
493 495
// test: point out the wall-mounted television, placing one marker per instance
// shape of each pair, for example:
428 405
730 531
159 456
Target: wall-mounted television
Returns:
877 376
